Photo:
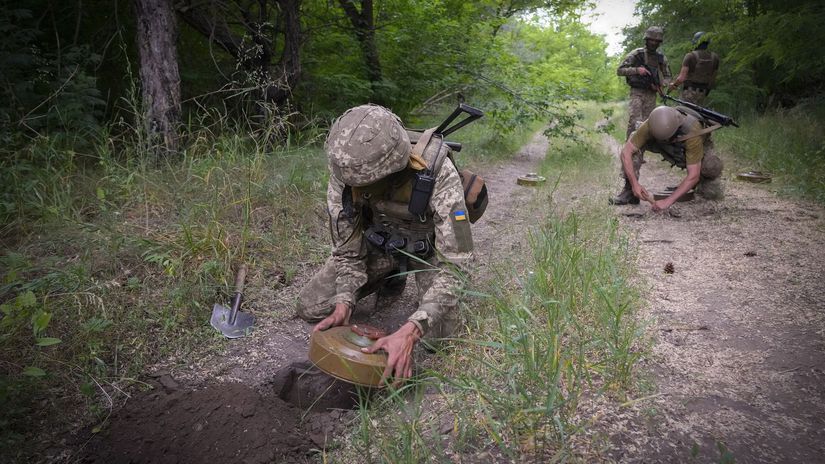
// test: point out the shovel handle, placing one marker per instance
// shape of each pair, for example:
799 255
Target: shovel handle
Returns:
236 299
240 279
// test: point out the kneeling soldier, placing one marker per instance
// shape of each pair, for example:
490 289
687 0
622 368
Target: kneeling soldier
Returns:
373 176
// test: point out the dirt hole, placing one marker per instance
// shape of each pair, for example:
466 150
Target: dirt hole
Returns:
300 410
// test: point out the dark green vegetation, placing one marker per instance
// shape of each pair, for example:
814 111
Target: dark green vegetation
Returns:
112 250
772 77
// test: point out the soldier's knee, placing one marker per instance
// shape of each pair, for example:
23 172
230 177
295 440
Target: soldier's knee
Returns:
310 309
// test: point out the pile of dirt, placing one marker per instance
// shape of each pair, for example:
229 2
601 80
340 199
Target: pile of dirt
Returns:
228 422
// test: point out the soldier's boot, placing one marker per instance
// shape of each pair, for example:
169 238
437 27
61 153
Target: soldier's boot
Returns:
625 197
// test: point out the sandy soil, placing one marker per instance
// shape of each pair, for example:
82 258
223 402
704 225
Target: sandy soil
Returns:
737 359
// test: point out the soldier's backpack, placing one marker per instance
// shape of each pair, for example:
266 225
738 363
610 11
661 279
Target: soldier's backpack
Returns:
428 155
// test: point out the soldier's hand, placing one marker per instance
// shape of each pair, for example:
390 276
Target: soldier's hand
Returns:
399 346
660 205
643 71
642 194
340 316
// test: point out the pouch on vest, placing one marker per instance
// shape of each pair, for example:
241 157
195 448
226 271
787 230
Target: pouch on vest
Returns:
475 194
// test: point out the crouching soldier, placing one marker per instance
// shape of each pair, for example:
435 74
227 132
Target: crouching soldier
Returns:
682 137
375 181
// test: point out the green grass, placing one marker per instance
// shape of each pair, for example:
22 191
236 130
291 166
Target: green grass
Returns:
790 144
112 260
562 329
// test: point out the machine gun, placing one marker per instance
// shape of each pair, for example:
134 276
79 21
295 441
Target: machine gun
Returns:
720 118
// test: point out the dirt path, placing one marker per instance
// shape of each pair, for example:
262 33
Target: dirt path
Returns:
739 329
738 356
255 401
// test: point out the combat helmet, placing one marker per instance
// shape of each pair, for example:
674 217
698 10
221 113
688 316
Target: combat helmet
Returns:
366 144
663 122
655 33
700 38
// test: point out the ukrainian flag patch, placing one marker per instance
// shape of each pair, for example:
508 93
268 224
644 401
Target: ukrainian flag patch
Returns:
460 215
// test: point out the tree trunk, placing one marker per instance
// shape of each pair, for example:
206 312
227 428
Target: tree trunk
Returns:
364 24
159 76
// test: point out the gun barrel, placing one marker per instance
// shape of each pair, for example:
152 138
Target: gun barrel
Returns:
708 113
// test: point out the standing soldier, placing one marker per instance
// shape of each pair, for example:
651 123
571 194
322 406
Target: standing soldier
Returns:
698 72
646 71
373 177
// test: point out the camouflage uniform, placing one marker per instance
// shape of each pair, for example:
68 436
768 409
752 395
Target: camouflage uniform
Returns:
642 99
358 267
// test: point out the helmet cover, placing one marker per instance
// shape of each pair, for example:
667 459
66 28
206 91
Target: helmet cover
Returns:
366 144
655 33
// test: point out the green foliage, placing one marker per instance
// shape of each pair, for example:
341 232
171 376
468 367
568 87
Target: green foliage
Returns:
111 263
43 89
765 47
786 143
516 68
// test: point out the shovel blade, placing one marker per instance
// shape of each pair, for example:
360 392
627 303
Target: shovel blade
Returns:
220 321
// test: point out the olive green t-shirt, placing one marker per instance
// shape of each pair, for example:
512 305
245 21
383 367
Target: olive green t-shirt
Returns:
693 146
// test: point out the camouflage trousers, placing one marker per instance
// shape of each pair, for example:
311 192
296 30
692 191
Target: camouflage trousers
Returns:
693 95
437 293
641 104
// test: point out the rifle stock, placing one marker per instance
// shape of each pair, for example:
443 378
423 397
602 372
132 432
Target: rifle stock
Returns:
443 130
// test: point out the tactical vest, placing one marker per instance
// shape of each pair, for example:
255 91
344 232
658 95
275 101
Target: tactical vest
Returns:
703 73
387 223
654 60
385 206
674 152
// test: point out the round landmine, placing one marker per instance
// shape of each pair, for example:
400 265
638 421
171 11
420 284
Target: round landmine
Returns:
662 195
754 176
337 351
531 178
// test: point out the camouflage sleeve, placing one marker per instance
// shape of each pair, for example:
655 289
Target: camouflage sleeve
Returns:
349 250
694 147
629 66
666 69
454 245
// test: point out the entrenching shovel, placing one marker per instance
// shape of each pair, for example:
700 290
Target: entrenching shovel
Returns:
229 321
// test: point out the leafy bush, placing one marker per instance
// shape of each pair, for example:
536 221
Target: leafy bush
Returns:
42 90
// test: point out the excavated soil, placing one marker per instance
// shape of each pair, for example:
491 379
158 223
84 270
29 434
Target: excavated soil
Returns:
737 362
260 400
229 422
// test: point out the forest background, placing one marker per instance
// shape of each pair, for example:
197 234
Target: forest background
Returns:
138 137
